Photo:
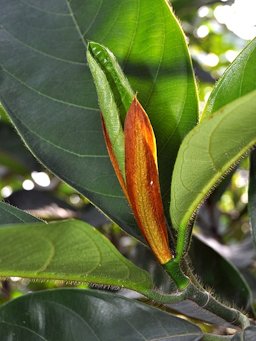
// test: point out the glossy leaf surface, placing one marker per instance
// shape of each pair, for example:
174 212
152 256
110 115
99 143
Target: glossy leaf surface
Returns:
207 153
69 250
238 80
49 94
91 316
252 194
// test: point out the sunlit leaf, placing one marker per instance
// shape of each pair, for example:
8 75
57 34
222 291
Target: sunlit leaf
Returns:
69 250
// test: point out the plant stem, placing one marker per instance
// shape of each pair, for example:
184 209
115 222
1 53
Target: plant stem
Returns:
204 300
177 275
191 289
164 298
196 293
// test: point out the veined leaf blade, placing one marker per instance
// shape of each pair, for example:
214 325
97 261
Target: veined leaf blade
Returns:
69 250
83 311
208 152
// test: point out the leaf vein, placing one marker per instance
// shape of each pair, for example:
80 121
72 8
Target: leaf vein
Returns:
75 22
47 96
50 257
93 19
42 10
159 63
40 51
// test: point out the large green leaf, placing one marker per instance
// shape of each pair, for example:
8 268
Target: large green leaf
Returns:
238 80
252 194
48 91
80 315
69 250
207 153
12 215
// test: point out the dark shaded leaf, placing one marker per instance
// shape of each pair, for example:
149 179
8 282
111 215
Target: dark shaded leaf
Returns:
42 204
218 273
45 205
249 334
252 194
12 215
80 315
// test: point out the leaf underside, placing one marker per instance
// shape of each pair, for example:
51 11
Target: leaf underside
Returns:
69 250
207 153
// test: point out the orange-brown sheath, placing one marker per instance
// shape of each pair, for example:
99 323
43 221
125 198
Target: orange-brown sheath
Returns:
142 180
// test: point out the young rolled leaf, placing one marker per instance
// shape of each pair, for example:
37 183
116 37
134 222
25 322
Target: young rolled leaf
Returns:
206 155
238 80
139 180
143 182
252 195
115 96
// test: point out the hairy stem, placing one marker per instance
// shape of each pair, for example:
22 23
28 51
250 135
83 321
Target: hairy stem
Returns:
191 289
206 301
